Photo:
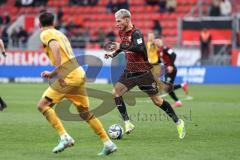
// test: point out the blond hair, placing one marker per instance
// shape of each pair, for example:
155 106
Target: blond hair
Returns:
123 13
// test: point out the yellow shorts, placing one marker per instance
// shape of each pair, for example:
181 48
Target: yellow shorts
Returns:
76 94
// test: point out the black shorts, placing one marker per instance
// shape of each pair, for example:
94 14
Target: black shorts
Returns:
170 77
144 80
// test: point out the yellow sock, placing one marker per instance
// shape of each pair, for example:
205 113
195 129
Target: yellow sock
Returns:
53 119
96 125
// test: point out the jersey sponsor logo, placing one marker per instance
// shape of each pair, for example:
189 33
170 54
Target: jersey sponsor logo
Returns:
139 41
170 51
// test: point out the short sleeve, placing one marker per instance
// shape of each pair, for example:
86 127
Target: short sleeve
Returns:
46 37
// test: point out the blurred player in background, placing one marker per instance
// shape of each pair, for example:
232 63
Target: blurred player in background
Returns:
137 71
69 83
168 56
154 59
2 50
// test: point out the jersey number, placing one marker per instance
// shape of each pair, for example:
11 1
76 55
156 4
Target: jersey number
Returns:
67 46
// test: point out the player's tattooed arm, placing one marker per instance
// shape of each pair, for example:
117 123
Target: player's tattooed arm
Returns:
112 54
116 52
137 43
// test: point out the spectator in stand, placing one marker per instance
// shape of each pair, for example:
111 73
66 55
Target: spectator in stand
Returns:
157 28
18 3
110 36
79 39
1 20
40 2
71 25
205 42
101 36
83 2
115 6
123 4
109 6
23 37
73 2
6 18
238 39
3 2
152 2
225 8
5 37
14 37
59 15
162 6
215 8
62 27
87 35
171 5
92 2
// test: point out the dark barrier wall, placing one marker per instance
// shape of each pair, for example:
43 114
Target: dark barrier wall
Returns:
220 29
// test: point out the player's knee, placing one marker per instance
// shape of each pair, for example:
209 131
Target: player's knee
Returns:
42 104
115 93
85 114
157 101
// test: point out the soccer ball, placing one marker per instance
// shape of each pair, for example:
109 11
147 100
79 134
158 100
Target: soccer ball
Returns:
115 131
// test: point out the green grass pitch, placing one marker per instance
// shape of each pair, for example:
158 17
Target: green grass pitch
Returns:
212 120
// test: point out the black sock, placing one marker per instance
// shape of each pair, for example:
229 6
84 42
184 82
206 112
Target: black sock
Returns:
170 112
2 104
173 95
177 86
121 107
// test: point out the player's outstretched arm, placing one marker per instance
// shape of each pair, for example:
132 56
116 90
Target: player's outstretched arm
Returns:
112 54
112 48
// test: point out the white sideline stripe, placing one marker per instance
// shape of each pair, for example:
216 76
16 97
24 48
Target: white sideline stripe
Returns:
27 79
101 81
4 80
187 98
41 80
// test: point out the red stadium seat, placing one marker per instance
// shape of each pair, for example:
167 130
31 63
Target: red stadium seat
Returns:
96 17
102 3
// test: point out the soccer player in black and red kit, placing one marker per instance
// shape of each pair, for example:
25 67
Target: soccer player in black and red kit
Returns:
137 71
168 57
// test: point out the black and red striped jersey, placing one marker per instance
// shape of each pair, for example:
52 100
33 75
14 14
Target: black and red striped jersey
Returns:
168 56
132 43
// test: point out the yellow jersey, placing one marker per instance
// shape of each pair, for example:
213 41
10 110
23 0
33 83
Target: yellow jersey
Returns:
152 53
72 72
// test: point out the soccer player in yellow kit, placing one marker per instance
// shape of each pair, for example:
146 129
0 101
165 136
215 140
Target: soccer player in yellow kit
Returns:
154 59
2 50
69 84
